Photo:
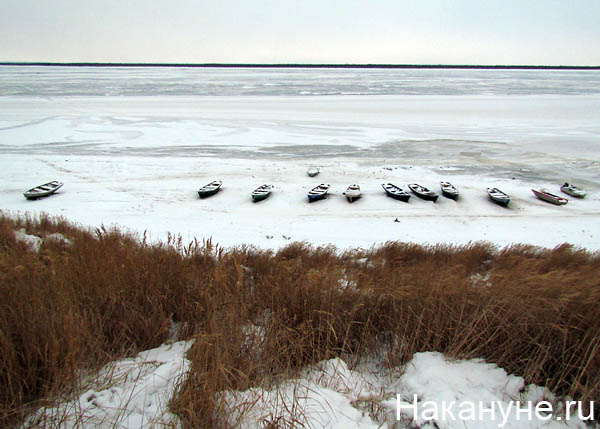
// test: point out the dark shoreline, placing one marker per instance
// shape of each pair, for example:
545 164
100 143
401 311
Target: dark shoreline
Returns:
299 65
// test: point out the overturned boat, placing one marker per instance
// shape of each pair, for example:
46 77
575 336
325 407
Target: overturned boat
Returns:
43 190
395 192
313 171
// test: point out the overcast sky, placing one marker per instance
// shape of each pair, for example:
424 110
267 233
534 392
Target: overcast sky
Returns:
549 32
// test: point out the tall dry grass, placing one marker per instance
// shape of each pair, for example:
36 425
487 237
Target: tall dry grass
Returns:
259 316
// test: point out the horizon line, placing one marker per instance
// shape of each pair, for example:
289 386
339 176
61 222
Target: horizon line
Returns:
300 65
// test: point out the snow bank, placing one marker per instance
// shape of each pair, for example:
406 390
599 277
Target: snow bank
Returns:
330 395
135 393
132 393
33 242
58 238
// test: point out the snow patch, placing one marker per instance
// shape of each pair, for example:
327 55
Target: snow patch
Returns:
131 393
331 395
33 242
58 238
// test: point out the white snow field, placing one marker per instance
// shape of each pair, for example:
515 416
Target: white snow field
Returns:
133 146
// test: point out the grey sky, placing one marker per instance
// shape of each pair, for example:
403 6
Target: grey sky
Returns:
555 32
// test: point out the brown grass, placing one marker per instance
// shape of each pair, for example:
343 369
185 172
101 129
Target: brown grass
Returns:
259 316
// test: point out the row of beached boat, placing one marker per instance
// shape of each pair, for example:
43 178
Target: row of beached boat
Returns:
448 190
503 199
353 192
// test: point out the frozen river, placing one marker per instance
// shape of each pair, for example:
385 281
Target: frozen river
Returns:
133 145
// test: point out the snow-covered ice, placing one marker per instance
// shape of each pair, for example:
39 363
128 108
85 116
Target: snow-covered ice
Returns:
139 161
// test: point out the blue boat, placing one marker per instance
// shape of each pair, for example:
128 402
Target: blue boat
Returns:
318 192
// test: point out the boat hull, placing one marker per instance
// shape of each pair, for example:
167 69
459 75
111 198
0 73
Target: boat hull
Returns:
312 171
206 194
403 198
550 198
260 197
498 197
313 198
572 192
423 193
352 193
318 193
426 197
42 190
399 195
500 202
449 194
352 198
211 189
448 190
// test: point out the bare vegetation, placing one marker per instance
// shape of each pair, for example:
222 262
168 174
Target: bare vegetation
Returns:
259 316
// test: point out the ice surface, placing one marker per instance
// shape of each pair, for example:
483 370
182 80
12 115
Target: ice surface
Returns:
157 81
137 156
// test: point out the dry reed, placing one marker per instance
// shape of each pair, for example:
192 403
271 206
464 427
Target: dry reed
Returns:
259 316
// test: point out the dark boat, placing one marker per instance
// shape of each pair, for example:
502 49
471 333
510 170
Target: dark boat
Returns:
423 192
550 198
210 189
353 193
572 190
395 192
43 190
449 191
261 193
318 192
497 196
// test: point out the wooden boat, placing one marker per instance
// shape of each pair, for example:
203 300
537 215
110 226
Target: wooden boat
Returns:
423 192
550 198
395 192
353 193
318 192
497 196
261 193
449 191
313 171
210 189
572 190
43 190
